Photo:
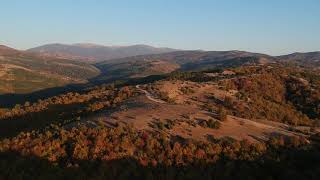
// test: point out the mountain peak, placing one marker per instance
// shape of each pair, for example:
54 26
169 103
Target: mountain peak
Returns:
3 47
5 50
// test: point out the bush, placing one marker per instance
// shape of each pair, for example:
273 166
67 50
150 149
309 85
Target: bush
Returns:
213 124
161 125
169 124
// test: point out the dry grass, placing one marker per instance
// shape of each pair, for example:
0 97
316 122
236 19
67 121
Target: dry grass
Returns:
144 113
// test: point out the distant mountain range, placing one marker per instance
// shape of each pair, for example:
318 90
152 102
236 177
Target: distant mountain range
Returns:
95 53
57 64
145 65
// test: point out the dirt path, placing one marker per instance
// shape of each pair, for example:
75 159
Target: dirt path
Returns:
149 96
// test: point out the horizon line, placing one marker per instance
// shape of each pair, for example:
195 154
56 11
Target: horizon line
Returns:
154 46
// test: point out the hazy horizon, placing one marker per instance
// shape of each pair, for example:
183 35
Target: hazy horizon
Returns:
271 27
124 45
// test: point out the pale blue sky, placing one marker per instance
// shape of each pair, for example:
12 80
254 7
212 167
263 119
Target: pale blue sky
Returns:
267 26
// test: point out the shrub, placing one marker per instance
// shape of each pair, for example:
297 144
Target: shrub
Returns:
213 124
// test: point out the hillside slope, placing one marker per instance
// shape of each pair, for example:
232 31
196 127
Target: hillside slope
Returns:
311 59
22 72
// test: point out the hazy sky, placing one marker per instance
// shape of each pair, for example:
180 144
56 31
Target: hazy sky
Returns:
267 26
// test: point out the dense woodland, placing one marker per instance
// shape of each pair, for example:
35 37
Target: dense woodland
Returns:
276 93
122 153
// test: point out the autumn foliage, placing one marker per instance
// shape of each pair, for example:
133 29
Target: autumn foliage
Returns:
109 152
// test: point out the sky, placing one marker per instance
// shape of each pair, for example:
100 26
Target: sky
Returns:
274 27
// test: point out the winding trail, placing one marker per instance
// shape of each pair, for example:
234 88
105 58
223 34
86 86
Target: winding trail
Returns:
149 96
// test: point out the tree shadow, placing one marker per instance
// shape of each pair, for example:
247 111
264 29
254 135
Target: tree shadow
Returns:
62 113
36 120
305 165
9 100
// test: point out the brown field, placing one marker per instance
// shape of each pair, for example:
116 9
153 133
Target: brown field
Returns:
144 113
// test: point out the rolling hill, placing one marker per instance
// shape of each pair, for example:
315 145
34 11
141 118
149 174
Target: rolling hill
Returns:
180 60
4 51
23 72
311 59
94 53
301 56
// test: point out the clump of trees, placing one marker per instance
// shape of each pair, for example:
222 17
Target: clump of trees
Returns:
198 76
187 90
61 108
165 96
166 124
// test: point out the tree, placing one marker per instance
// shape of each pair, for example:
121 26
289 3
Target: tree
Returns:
222 113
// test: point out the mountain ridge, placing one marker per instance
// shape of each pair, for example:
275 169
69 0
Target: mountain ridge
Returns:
311 59
95 52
